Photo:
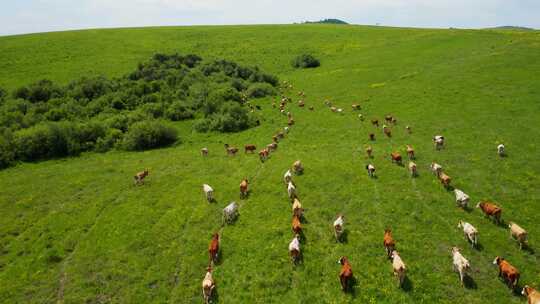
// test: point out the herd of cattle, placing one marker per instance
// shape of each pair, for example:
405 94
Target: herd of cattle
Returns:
461 265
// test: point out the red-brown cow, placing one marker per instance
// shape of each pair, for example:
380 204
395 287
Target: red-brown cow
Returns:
371 136
263 154
244 188
346 274
213 248
396 157
250 148
508 272
388 242
139 177
445 179
491 209
296 226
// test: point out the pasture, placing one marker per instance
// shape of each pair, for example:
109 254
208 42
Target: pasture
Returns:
76 230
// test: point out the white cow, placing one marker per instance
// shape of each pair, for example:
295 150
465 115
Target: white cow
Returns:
297 208
287 177
339 227
291 190
208 193
461 264
436 168
370 170
518 233
208 285
230 213
500 150
294 249
286 129
297 167
399 267
439 141
462 199
412 169
470 233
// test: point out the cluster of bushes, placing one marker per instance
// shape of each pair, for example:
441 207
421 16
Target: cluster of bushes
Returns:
305 61
45 120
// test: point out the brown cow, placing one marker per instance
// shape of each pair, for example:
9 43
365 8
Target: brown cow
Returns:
275 138
296 226
388 118
213 248
139 177
346 274
445 179
272 147
301 103
231 150
263 154
508 272
250 148
244 188
388 242
355 106
311 108
375 122
290 122
371 136
396 157
410 152
387 132
533 296
490 209
369 151
281 135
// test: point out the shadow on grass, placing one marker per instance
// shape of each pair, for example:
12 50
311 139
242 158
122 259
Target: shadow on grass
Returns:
215 296
469 283
529 249
407 285
468 209
478 247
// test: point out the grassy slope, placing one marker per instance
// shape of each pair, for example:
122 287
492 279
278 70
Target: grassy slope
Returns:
128 244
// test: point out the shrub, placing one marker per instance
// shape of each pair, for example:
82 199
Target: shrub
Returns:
3 94
42 90
178 110
305 61
258 90
46 141
7 153
106 143
148 134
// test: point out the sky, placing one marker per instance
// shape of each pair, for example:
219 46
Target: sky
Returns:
29 16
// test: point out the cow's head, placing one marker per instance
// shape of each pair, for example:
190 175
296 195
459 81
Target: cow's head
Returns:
455 250
479 205
497 260
343 260
394 254
526 290
460 224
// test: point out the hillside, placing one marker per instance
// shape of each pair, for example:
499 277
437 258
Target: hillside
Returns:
77 230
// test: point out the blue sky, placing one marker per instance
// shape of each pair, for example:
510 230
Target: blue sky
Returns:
27 16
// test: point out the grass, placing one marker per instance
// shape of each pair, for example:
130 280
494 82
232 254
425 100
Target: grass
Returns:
76 230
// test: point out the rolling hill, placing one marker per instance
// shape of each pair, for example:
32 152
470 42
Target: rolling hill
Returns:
76 230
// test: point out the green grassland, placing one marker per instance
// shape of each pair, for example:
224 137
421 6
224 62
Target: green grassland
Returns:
76 230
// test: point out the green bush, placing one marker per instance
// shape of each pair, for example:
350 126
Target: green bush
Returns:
178 110
7 153
305 61
258 90
46 140
148 135
106 143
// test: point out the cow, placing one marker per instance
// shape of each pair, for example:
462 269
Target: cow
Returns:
436 169
272 147
408 128
462 199
327 103
396 157
230 213
355 106
490 209
361 117
301 94
518 233
399 267
280 135
311 108
204 151
387 132
139 177
413 169
287 177
410 152
244 188
286 129
230 150
388 242
333 109
297 167
460 263
500 150
346 274
370 170
340 110
438 140
371 136
339 227
263 154
375 122
301 103
507 272
249 148
208 193
208 285
394 121
470 233
445 180
213 248
296 225
369 151
291 190
275 138
533 296
388 118
294 249
297 208
290 122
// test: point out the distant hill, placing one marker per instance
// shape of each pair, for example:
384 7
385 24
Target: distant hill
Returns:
328 21
510 27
